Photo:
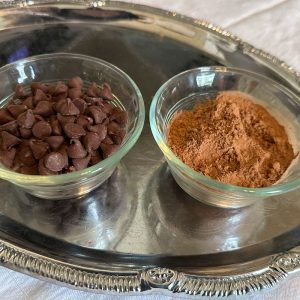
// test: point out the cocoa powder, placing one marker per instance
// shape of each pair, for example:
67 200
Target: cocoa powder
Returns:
233 140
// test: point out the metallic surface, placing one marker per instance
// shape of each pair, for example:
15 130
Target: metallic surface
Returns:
139 231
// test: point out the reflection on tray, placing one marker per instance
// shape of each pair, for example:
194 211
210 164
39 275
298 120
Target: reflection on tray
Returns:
188 224
97 220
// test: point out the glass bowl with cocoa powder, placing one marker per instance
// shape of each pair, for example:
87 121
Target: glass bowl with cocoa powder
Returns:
230 137
66 120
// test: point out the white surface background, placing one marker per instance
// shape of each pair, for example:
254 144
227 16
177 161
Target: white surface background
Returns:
272 25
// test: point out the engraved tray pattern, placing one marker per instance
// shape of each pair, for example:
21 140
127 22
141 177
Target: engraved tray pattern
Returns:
60 259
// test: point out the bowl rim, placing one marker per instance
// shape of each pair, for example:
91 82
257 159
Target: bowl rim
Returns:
197 176
24 179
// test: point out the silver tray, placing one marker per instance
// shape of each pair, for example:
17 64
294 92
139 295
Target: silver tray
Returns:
140 232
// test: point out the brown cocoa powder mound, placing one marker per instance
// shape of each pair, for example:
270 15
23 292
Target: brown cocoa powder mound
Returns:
233 140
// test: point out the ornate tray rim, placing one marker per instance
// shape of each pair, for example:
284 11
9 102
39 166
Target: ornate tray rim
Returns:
267 274
254 276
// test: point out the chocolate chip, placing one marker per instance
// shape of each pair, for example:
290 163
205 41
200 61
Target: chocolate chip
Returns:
5 116
81 163
41 129
107 149
70 169
7 157
11 127
91 141
113 128
52 118
20 92
16 165
95 157
38 85
60 88
55 141
51 89
8 140
39 96
74 93
118 139
108 140
38 148
43 170
58 104
25 156
105 92
59 97
24 143
94 101
105 122
67 108
74 131
28 102
80 104
92 90
26 119
63 150
97 114
39 118
84 121
76 150
44 108
118 115
29 170
16 110
25 132
106 107
65 119
48 97
100 129
75 82
56 127
54 161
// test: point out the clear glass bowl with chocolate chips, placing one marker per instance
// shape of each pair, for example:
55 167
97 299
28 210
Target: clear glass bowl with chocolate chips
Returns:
230 137
66 120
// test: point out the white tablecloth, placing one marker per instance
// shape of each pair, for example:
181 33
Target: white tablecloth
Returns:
272 25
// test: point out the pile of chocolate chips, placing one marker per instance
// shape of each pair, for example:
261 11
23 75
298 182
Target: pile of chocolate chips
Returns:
59 128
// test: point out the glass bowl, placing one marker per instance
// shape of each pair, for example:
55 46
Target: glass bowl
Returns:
184 90
63 66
